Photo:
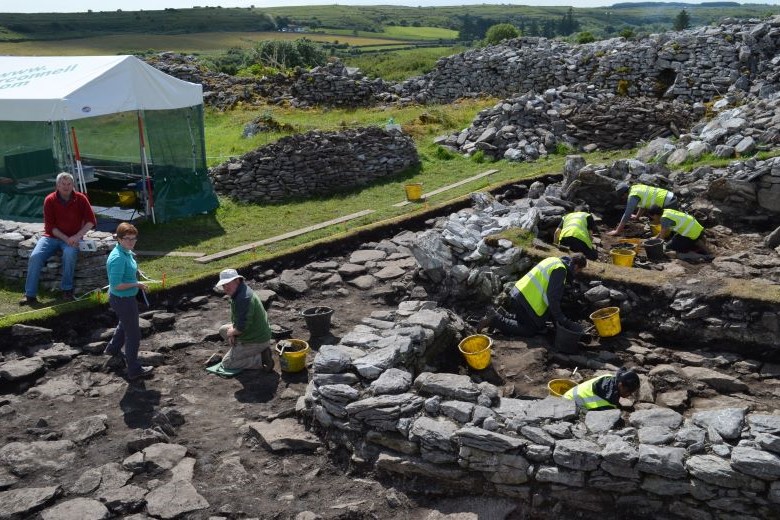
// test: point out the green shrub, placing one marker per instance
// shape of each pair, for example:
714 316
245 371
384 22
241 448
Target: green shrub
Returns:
285 54
479 157
256 71
500 32
443 154
585 37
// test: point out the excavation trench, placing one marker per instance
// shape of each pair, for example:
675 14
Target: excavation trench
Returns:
448 429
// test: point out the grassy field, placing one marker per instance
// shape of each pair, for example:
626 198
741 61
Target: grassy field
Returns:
401 33
397 22
198 43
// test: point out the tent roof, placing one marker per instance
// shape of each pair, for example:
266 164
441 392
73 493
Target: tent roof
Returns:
63 88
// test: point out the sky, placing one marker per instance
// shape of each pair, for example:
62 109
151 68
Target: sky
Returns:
65 6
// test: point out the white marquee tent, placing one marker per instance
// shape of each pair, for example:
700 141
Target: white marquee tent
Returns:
64 88
43 100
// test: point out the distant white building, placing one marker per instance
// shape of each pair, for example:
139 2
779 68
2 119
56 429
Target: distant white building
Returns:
295 29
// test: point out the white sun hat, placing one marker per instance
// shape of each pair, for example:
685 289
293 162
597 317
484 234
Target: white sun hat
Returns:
227 276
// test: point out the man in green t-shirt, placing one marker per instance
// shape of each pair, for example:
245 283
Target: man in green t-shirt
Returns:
248 333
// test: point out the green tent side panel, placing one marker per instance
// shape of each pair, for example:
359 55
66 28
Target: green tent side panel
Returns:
179 194
178 150
22 207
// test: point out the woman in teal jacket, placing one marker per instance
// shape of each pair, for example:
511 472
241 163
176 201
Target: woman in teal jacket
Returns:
123 288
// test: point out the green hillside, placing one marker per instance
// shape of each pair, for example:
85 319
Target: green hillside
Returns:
399 22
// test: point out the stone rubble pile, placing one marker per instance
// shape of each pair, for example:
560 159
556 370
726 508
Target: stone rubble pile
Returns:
332 84
17 241
221 90
530 126
315 163
734 132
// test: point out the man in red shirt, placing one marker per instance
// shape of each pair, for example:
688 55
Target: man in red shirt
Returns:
67 216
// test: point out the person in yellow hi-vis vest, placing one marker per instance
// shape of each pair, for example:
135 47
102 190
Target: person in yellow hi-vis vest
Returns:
687 233
576 232
640 197
536 298
604 392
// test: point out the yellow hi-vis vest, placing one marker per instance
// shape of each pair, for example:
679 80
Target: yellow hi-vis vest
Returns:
534 284
584 396
575 225
648 195
684 225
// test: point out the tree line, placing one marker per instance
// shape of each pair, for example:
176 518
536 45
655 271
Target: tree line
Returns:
476 28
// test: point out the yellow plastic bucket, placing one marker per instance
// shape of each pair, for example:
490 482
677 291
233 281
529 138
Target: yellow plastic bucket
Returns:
623 257
558 387
413 191
476 350
607 321
126 198
629 243
655 229
292 354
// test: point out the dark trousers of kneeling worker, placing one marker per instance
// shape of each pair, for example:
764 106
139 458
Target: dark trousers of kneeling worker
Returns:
578 246
520 320
683 244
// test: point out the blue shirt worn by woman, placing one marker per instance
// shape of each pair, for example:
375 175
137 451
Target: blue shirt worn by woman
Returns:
122 268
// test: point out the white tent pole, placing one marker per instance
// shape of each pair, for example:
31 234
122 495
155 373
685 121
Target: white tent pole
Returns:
147 185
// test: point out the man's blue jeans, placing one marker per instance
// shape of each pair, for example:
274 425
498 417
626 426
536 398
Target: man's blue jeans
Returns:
43 250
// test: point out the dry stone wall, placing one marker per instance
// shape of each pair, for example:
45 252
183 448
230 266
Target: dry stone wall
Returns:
444 432
336 85
17 241
693 65
315 163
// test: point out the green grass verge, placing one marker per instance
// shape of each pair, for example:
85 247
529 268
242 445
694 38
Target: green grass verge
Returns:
399 65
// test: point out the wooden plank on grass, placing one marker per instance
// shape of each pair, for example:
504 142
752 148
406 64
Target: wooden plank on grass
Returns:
168 253
278 238
448 187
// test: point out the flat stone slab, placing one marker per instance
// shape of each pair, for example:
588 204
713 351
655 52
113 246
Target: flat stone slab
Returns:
174 499
77 509
162 456
85 428
717 380
23 458
21 368
285 434
363 282
58 352
18 502
390 272
60 386
361 256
